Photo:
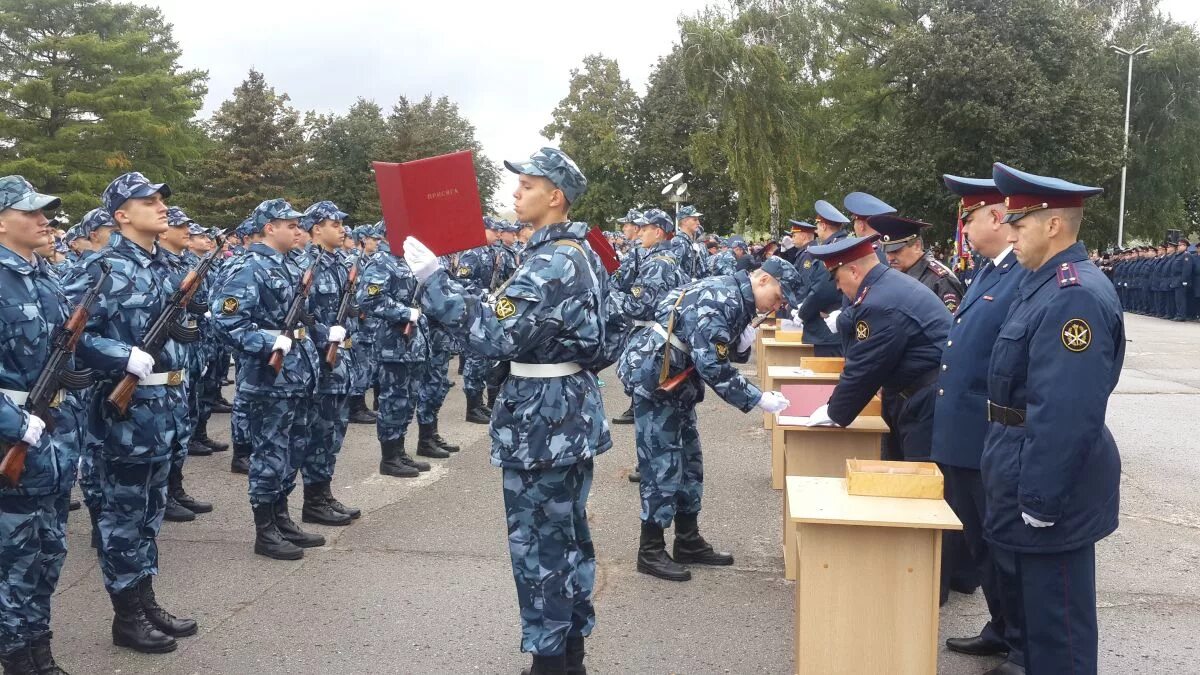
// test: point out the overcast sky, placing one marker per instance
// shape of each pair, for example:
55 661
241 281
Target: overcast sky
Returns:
506 64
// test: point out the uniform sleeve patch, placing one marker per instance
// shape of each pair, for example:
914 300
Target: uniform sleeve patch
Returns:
807 264
505 308
951 301
636 291
722 350
862 331
229 305
1076 335
374 289
464 271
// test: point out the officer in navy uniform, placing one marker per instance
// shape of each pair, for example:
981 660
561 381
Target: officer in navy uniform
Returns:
1051 471
960 419
1181 277
862 207
897 329
905 250
821 301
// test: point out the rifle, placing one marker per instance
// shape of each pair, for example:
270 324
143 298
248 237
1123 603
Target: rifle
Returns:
674 381
165 326
344 307
295 314
54 376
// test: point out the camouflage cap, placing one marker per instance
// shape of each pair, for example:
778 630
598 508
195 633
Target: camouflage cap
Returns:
659 219
490 223
322 210
18 193
555 165
245 228
273 209
60 245
176 217
94 220
215 232
376 231
788 277
631 216
197 230
737 242
132 185
506 226
689 211
72 234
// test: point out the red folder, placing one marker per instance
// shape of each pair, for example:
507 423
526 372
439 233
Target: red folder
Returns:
805 398
604 249
435 200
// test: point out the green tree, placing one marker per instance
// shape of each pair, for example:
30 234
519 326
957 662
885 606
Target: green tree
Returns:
341 149
91 89
594 124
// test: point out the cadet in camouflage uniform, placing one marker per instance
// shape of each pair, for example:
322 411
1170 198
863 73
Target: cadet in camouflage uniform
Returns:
434 385
623 279
239 423
133 452
704 326
684 243
214 358
249 309
549 421
901 241
477 270
388 293
363 356
323 221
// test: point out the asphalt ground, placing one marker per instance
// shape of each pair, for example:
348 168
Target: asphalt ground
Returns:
422 583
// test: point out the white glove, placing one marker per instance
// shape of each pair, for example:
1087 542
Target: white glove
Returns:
139 364
1034 522
418 256
820 418
414 314
336 334
746 341
33 432
283 344
773 402
796 317
831 320
208 315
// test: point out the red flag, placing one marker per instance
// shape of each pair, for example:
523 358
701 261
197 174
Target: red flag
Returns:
435 200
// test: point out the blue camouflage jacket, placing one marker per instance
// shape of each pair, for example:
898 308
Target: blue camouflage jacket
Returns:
709 320
388 292
550 312
685 252
627 272
658 274
329 278
253 298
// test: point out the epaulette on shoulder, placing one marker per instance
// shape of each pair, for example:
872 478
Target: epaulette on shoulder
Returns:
1067 275
862 295
665 258
938 268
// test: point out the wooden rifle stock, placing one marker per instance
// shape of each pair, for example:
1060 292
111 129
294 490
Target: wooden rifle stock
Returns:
331 350
671 383
13 464
295 312
122 394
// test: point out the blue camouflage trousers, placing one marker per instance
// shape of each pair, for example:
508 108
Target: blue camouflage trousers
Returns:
279 430
239 422
133 497
397 399
475 371
432 386
33 545
669 459
553 559
364 366
328 430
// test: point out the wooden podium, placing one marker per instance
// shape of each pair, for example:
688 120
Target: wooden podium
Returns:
777 376
775 352
867 579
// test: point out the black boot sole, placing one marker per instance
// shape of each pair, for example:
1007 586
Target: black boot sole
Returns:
478 420
646 569
128 644
278 556
178 634
433 454
622 420
684 559
196 508
321 520
237 468
179 518
635 477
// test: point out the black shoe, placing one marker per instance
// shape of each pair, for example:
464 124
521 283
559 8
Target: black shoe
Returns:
635 476
547 665
392 464
177 513
267 539
1007 668
426 447
132 628
317 510
625 417
191 503
161 618
74 505
197 449
475 412
240 462
977 646
176 493
95 518
359 414
220 407
19 662
575 654
964 588
441 442
43 658
690 548
290 531
652 556
200 435
334 504
418 465
374 399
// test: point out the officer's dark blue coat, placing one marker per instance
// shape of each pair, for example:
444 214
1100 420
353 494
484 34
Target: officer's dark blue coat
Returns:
1058 357
960 409
820 295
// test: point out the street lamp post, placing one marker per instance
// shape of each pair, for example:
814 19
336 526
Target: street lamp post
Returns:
677 189
1141 49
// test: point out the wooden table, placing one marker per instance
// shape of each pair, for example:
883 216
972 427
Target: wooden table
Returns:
867 587
766 330
777 376
822 451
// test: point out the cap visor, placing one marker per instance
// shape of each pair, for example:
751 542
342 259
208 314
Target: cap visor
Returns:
37 202
888 248
1013 217
523 168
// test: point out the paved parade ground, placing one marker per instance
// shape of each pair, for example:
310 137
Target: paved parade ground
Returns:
422 583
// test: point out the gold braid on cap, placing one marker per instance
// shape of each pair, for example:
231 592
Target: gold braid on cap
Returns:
1008 210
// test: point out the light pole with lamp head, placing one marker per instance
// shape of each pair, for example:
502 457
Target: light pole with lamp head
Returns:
1141 49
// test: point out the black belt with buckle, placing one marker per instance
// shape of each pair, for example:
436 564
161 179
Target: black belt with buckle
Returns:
924 380
1009 417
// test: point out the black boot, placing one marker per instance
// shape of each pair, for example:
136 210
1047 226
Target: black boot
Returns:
391 464
95 517
267 539
317 510
690 548
575 653
176 492
240 462
492 394
74 505
475 411
290 530
131 628
197 449
547 665
176 512
19 662
635 476
441 442
425 445
200 434
334 504
358 411
161 618
653 559
407 459
374 399
43 658
625 417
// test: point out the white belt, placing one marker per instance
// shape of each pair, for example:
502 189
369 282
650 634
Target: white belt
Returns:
20 397
644 324
172 378
544 369
675 342
298 334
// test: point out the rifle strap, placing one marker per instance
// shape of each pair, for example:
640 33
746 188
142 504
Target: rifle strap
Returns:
666 365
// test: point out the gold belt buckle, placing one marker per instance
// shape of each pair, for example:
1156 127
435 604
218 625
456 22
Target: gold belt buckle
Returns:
174 378
301 333
191 323
347 343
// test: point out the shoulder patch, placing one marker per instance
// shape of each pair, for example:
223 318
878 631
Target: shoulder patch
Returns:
374 289
636 291
229 305
505 308
722 350
951 301
1067 276
938 268
862 331
807 264
464 271
862 295
1076 335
